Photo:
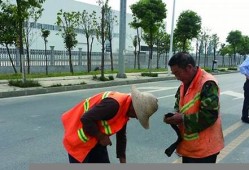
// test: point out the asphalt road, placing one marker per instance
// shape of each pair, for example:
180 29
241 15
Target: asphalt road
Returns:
31 129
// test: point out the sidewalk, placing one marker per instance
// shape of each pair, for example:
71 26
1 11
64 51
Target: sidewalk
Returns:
75 83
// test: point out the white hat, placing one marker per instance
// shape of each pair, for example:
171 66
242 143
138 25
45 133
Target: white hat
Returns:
145 104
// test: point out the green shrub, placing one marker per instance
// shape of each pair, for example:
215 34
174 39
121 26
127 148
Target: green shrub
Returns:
103 78
95 77
222 69
207 69
56 85
232 68
111 77
149 74
27 83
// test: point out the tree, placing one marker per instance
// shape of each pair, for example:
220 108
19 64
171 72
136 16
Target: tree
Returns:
88 24
162 44
34 13
188 27
205 40
222 53
45 34
101 33
214 42
22 14
243 48
111 20
8 32
234 38
226 50
149 14
135 43
135 25
67 21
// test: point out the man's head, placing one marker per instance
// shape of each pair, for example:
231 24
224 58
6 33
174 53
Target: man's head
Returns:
144 104
183 66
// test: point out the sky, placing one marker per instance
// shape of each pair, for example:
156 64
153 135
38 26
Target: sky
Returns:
218 16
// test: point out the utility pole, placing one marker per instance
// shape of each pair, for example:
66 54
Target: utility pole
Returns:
122 38
171 36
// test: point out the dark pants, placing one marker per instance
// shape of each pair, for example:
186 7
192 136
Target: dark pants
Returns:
246 100
209 159
98 154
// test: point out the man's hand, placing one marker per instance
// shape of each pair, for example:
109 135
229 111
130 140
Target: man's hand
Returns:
175 119
104 139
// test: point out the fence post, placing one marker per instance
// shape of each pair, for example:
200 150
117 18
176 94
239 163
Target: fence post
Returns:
80 57
52 55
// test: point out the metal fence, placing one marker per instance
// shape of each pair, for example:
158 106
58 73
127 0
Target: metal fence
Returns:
58 61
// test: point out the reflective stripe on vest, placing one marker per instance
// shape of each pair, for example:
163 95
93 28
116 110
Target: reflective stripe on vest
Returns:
81 133
192 136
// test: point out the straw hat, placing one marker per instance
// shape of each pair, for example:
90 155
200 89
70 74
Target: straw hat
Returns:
145 104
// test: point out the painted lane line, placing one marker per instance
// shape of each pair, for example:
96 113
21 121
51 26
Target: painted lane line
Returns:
172 95
225 133
234 94
232 145
232 128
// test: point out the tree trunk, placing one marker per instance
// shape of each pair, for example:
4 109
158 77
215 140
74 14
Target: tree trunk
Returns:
28 59
46 57
70 61
102 41
20 27
11 60
139 49
135 57
90 55
111 56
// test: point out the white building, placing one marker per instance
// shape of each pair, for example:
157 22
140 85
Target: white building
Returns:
48 21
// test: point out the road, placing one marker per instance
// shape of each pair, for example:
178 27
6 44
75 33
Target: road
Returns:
31 129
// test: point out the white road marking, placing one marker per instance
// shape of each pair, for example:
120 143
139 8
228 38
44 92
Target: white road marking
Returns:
172 95
234 94
235 126
232 145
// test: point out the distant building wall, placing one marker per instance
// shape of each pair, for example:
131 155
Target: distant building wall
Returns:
48 21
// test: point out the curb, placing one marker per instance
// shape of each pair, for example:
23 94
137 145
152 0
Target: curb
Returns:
45 90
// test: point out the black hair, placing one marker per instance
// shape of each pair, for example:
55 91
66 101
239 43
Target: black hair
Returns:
182 60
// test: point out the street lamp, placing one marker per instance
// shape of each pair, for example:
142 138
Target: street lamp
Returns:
171 36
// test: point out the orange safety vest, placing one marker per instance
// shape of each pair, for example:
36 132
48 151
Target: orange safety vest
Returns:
208 141
76 142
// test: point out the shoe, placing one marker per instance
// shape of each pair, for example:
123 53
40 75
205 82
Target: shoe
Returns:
245 120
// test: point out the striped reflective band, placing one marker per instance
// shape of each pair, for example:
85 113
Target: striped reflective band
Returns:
107 128
105 95
86 105
190 103
104 123
192 136
82 135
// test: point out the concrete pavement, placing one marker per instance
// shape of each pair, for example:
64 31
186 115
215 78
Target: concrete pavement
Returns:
75 83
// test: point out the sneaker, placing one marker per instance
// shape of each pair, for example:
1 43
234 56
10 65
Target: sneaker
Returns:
245 120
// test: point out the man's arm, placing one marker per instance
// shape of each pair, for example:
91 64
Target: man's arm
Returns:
105 110
121 145
209 109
